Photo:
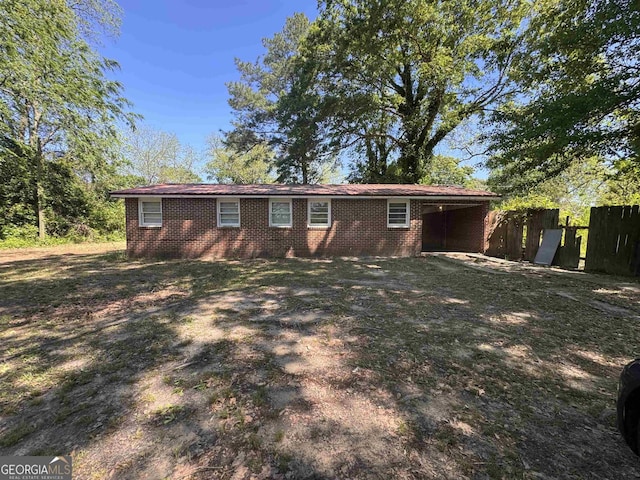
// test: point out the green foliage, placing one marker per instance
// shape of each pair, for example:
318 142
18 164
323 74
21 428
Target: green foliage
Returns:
178 174
57 107
275 103
106 216
576 190
17 202
444 170
529 201
156 157
573 192
27 236
73 207
228 166
622 188
448 171
578 66
398 76
97 16
66 198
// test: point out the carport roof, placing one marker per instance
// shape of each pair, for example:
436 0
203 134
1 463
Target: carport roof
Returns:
294 190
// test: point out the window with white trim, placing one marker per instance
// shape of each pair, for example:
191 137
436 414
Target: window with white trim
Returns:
228 212
280 212
319 213
150 212
397 213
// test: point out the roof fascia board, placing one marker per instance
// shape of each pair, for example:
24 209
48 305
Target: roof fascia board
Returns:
353 197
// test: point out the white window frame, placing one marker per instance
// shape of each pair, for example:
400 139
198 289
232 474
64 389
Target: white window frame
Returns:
227 200
407 216
141 221
318 225
280 200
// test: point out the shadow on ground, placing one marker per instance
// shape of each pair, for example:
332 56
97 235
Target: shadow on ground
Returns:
345 368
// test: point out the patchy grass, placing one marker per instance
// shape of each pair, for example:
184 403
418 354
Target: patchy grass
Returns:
32 243
347 368
168 414
13 435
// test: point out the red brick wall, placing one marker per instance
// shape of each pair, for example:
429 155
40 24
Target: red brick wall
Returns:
462 230
466 229
359 227
433 230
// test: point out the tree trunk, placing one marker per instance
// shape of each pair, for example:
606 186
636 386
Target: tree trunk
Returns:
42 228
409 161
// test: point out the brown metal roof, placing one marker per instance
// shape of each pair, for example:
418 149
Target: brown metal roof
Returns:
267 190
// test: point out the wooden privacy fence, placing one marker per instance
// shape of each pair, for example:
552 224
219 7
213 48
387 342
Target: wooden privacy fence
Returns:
614 240
537 222
568 255
517 235
505 235
613 244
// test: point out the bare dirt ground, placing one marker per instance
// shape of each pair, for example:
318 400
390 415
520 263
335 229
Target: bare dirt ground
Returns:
375 368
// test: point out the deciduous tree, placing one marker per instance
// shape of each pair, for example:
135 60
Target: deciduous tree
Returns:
398 76
579 73
158 157
57 104
228 166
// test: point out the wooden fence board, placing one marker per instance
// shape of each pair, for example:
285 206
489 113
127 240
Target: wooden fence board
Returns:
614 234
568 255
613 244
505 235
592 260
537 222
635 246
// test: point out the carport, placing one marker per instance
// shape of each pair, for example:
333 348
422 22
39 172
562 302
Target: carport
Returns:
453 226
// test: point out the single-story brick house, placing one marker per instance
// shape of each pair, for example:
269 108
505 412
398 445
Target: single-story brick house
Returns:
196 220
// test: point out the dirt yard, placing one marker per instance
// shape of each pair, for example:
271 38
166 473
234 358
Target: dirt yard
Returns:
307 369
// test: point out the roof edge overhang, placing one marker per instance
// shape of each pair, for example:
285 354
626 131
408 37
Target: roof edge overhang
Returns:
476 198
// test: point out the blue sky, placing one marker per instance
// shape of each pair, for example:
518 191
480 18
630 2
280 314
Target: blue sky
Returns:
176 56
